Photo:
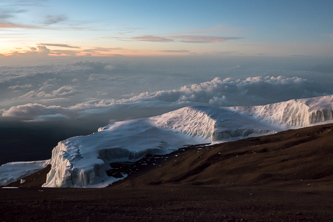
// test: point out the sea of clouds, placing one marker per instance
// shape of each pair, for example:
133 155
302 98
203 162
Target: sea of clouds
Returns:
123 89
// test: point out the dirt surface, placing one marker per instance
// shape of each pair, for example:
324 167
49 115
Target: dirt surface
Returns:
282 177
166 203
297 157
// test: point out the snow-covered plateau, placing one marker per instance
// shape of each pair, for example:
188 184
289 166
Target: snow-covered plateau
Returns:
82 161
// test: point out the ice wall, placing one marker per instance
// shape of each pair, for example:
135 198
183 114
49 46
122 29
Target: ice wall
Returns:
82 161
193 121
293 113
213 123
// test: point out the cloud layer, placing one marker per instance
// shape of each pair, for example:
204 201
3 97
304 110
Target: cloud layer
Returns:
231 92
124 88
39 112
217 92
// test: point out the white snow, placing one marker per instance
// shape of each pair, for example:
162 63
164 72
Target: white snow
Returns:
293 113
82 161
212 123
11 172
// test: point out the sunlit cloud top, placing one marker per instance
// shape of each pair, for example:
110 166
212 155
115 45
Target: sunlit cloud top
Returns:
140 28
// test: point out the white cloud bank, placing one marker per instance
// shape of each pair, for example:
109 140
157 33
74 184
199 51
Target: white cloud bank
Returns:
34 111
230 92
217 92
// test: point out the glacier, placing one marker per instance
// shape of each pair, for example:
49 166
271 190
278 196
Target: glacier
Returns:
293 113
82 161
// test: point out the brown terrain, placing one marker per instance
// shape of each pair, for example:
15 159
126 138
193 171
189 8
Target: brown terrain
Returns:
282 177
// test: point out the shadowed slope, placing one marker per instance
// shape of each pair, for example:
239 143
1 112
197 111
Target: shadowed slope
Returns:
294 156
283 177
302 156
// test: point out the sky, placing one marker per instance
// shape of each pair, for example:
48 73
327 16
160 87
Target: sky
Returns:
166 28
116 60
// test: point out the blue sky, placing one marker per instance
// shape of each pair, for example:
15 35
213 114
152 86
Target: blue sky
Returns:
66 58
157 28
104 60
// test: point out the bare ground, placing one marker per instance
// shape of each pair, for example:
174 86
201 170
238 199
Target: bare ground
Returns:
282 177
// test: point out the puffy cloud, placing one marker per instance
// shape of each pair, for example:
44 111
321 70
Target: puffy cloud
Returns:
38 51
34 111
17 87
230 92
218 92
43 50
214 93
63 91
29 94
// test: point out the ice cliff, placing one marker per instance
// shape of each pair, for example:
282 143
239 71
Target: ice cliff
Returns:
293 113
82 161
